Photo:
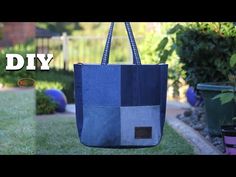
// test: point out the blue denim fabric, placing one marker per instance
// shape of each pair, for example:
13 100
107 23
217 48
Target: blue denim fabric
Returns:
163 92
140 116
101 85
140 85
78 97
101 126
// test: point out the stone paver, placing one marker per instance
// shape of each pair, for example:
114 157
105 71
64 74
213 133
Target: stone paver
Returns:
58 115
70 108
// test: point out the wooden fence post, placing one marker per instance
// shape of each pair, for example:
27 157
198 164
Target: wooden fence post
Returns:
65 50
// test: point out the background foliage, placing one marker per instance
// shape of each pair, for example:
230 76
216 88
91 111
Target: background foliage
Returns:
204 50
60 27
158 48
44 104
57 79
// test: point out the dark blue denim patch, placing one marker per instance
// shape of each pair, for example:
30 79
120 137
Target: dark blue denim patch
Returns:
140 85
78 97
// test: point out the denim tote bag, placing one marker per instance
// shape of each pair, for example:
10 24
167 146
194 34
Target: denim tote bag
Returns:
120 106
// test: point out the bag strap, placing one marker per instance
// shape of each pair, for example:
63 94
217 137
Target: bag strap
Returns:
106 53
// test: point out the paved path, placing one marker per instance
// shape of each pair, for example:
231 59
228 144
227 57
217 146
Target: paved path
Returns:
15 89
58 115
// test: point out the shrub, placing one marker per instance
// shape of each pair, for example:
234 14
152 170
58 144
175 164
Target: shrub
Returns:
204 50
58 79
44 104
42 85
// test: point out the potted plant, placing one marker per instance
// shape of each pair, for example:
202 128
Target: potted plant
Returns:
229 131
216 113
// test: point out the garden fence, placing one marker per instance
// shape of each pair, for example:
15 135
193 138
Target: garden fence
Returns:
68 50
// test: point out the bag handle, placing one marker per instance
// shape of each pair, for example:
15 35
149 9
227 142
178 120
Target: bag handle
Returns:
106 53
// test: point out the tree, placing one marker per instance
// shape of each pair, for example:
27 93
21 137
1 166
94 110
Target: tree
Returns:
60 27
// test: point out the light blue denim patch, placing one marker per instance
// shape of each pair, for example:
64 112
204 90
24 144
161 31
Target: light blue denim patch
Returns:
140 116
101 85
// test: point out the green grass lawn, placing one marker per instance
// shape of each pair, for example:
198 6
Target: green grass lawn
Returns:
22 133
17 125
59 136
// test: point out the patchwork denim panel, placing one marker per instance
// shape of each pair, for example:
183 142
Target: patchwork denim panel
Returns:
120 105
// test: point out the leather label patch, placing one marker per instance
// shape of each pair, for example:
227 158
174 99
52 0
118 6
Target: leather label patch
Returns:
143 132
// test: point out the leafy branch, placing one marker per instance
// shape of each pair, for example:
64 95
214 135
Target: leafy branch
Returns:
229 96
163 52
